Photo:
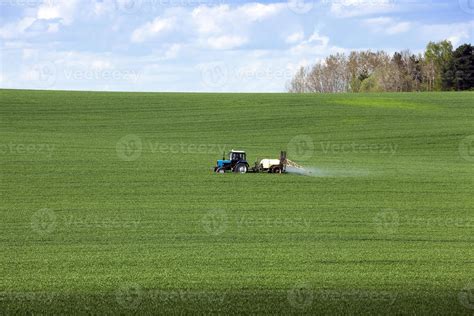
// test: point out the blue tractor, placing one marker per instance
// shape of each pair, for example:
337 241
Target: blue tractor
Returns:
237 162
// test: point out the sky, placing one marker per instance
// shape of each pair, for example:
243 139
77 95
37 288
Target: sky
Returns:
206 45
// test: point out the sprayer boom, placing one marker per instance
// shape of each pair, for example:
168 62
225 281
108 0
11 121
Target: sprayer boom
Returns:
293 164
285 162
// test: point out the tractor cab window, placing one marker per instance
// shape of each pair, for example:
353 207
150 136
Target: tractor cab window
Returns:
237 156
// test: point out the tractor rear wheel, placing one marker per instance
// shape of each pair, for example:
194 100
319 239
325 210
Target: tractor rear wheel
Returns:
274 169
241 168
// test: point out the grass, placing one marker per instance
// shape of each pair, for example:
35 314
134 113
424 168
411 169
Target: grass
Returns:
109 204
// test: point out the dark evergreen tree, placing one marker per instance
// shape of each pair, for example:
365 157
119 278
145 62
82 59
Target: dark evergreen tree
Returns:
463 68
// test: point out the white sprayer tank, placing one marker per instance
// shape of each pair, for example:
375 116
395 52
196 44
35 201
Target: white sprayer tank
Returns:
267 163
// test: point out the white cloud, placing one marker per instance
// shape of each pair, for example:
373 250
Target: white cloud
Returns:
226 27
400 27
101 64
208 20
16 29
353 8
258 11
294 37
215 19
48 13
387 25
173 51
226 42
315 44
152 29
217 27
457 33
166 52
46 18
28 53
53 27
100 8
63 10
378 21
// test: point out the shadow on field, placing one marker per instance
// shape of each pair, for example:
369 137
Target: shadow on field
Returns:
301 299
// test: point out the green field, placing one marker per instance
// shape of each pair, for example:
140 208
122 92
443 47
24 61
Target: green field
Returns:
109 204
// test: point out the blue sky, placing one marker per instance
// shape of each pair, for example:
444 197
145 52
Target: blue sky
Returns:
206 45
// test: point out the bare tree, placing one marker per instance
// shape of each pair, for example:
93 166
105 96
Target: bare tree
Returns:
298 83
377 71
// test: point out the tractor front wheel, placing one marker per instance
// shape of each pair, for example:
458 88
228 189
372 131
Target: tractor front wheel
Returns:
241 168
220 170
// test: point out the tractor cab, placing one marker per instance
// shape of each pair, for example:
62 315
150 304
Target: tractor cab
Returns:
235 155
237 162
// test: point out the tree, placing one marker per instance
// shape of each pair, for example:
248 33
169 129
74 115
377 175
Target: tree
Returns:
462 68
298 83
438 68
416 72
407 71
369 84
437 57
315 81
336 73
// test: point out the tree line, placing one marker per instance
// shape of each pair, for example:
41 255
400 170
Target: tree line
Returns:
438 68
